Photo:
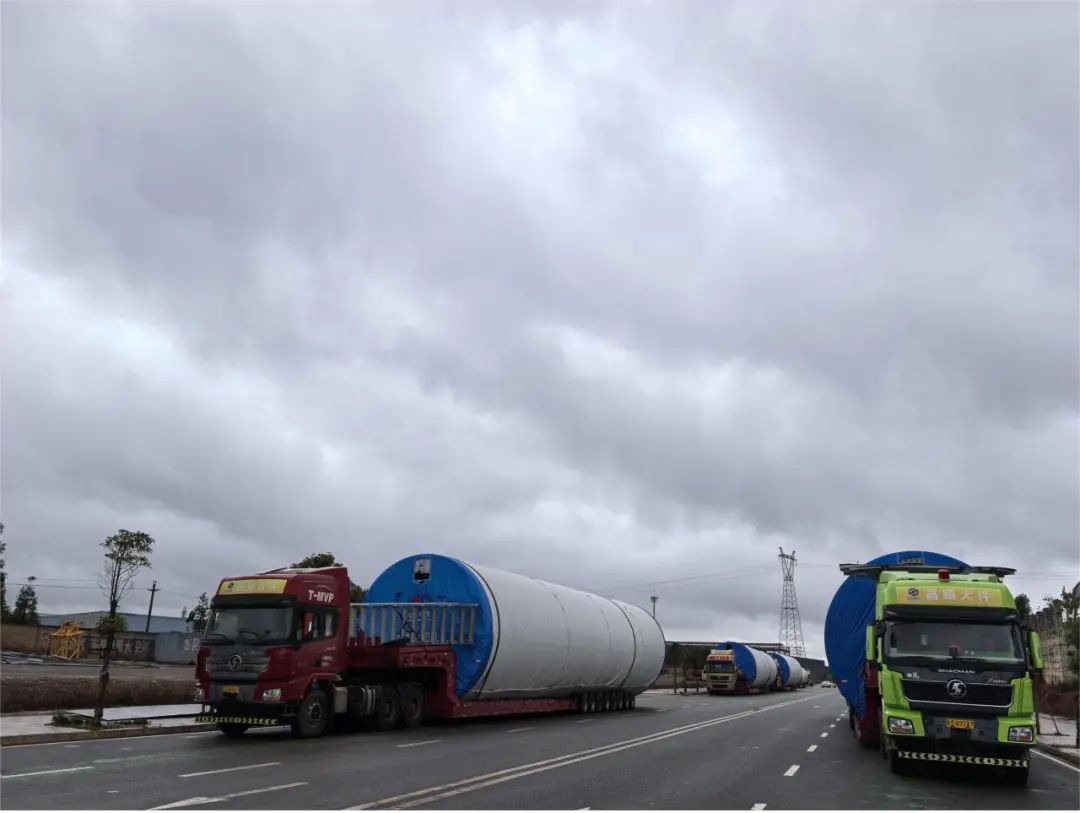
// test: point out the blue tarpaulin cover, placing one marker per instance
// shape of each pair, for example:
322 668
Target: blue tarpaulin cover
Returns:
851 612
782 665
446 580
744 659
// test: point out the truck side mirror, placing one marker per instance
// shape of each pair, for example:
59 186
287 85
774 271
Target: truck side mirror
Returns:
1036 650
871 643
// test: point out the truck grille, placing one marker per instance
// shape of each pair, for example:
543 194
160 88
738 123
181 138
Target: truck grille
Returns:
976 694
236 666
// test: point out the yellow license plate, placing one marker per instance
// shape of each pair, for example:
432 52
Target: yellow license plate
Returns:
963 725
230 690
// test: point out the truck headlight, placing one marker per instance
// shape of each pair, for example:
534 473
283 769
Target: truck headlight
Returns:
271 695
199 696
898 725
1021 733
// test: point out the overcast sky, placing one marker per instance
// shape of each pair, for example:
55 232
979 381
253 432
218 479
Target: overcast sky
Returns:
608 295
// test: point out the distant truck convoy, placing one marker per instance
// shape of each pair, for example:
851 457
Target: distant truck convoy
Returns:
734 668
436 637
933 661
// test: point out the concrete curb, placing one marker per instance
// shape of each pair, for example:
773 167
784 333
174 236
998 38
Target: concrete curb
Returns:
1061 753
102 734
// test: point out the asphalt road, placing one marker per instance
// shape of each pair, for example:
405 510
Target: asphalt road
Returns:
783 751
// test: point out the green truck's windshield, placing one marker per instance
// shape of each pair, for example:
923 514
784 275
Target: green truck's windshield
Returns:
941 640
250 624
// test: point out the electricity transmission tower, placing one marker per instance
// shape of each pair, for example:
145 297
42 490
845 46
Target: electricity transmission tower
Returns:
790 623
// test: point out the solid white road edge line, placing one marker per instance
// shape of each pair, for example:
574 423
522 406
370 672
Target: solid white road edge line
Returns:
42 773
1045 755
205 800
519 730
227 770
794 769
112 741
425 795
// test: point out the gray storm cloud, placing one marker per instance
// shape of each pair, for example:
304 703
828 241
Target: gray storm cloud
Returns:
612 299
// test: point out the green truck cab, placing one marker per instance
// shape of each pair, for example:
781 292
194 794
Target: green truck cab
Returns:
948 669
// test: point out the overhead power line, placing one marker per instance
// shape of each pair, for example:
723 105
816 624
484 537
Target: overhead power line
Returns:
719 574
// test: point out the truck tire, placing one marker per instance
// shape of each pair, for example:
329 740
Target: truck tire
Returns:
387 709
313 716
412 705
232 729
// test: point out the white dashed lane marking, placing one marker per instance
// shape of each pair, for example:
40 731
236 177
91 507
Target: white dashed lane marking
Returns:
205 800
811 749
228 770
43 773
794 769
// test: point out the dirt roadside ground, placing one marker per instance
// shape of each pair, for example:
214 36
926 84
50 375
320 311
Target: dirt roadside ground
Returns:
49 686
90 669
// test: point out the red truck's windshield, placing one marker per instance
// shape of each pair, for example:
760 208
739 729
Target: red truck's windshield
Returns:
257 624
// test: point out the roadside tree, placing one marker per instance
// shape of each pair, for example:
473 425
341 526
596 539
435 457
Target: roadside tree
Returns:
199 616
356 592
126 553
25 611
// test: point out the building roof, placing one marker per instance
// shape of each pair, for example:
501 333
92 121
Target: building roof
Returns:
136 622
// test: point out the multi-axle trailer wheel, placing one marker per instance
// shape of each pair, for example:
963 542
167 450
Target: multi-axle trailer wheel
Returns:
405 706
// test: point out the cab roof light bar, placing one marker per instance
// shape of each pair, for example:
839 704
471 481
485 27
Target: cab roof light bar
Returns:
874 570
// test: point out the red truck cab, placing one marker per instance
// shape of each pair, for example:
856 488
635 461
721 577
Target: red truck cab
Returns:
268 639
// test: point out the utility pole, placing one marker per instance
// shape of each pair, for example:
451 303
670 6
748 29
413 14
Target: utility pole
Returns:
150 612
654 598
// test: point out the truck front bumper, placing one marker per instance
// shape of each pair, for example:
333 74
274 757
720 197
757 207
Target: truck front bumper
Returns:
967 759
253 714
238 719
934 740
